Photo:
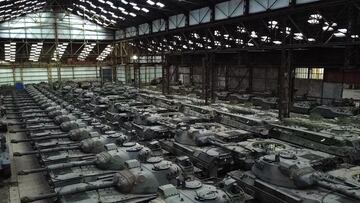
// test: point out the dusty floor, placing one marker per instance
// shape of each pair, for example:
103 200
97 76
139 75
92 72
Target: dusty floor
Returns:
20 186
4 191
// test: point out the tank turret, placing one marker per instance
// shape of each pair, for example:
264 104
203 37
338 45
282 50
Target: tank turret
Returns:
192 135
196 192
296 175
137 178
70 125
74 135
57 120
94 144
113 159
64 118
57 112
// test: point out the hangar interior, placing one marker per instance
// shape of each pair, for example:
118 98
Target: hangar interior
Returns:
252 101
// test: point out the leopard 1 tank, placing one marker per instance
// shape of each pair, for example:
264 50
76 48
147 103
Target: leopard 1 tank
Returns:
137 181
295 176
112 159
347 147
225 192
214 156
5 165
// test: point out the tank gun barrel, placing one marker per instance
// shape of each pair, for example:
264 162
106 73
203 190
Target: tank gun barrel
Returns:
18 100
30 122
25 117
215 142
40 138
20 113
221 145
35 129
167 124
22 108
46 150
48 134
345 190
57 167
75 190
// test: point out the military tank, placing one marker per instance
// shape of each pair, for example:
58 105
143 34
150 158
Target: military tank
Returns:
204 144
105 162
123 183
334 111
295 176
347 147
198 111
5 165
150 126
224 192
86 140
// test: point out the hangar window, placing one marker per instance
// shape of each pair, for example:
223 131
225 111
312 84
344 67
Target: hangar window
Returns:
317 73
309 73
302 73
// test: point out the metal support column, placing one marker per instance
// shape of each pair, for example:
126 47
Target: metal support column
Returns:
250 72
165 82
163 78
176 74
114 61
227 77
58 68
205 79
191 75
284 81
137 76
167 79
212 76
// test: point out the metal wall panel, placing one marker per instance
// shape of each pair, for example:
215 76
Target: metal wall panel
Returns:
66 73
130 32
120 34
148 73
18 74
144 29
29 75
256 6
158 71
120 73
148 59
305 1
340 76
53 73
106 73
6 76
41 26
199 16
229 9
143 74
85 73
34 75
177 21
131 75
158 25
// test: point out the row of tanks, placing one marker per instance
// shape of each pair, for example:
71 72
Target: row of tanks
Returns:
121 170
303 104
116 143
5 166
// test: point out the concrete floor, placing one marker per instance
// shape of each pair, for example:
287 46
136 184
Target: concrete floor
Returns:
4 191
20 186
